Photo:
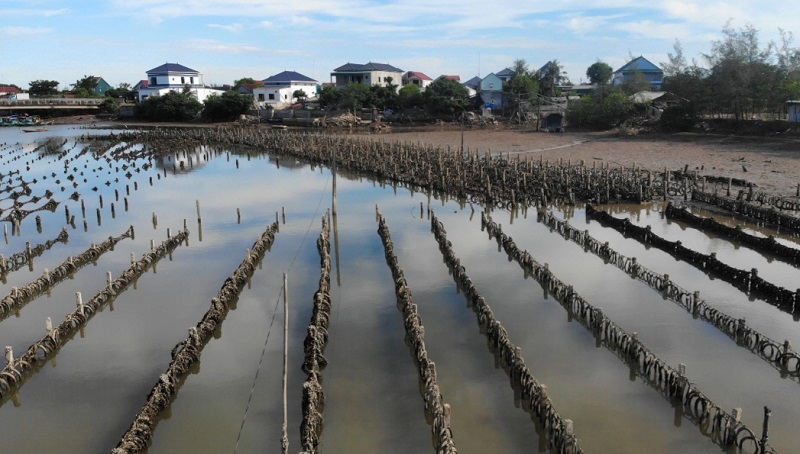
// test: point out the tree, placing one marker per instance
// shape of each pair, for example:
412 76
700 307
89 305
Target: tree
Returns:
226 107
330 97
43 88
445 98
410 96
87 82
384 97
635 83
549 77
172 106
738 65
300 96
599 73
356 96
520 67
247 81
604 110
521 91
109 105
677 62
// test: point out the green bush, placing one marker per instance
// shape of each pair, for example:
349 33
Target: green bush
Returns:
173 106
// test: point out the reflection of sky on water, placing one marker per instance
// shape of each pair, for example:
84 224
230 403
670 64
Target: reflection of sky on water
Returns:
372 398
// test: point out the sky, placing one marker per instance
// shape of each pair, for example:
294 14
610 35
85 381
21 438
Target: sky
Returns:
225 40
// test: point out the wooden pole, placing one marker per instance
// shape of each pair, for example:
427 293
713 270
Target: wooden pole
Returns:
285 437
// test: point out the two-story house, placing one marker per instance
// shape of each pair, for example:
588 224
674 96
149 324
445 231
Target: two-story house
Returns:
175 77
370 74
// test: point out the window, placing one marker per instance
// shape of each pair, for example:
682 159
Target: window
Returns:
183 81
152 81
272 96
261 96
191 80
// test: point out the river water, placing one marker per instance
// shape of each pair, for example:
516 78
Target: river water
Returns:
86 397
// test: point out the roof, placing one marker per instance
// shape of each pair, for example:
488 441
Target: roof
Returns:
171 68
356 67
10 90
475 82
418 75
646 97
640 64
455 78
507 72
288 76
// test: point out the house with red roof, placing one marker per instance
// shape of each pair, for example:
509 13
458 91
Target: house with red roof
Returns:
417 78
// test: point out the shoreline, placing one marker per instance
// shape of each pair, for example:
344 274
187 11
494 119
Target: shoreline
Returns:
770 163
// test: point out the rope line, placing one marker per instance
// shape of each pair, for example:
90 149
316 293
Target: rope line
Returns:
274 312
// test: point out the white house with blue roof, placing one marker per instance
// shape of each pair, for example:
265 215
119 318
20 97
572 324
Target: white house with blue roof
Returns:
175 77
278 90
370 74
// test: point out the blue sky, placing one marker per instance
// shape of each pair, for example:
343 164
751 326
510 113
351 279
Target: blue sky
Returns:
226 40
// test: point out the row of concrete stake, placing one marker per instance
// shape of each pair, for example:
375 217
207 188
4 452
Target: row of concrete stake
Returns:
314 347
768 245
748 282
187 352
20 296
19 259
435 408
17 370
724 429
496 179
779 355
765 214
558 430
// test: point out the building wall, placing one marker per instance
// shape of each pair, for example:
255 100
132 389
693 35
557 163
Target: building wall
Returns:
175 80
372 78
200 93
279 96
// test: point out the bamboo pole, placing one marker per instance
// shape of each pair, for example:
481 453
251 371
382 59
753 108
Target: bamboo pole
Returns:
285 437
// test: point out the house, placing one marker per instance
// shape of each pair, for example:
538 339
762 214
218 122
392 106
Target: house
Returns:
505 74
100 86
174 77
278 90
244 89
370 74
640 65
417 78
9 91
491 91
654 102
473 86
793 111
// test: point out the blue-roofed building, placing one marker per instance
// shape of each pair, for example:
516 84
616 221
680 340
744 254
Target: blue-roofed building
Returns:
370 74
278 90
175 77
651 72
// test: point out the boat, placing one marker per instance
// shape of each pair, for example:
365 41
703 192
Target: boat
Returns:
41 129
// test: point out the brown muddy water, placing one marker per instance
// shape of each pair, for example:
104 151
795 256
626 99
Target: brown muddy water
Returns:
85 398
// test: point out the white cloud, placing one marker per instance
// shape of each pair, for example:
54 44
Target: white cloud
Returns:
233 28
12 13
19 31
211 45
